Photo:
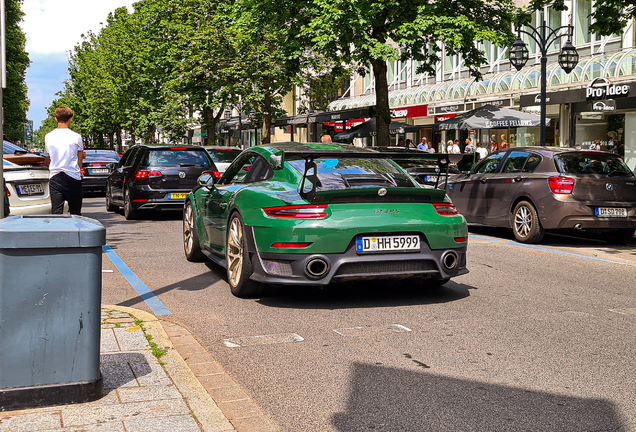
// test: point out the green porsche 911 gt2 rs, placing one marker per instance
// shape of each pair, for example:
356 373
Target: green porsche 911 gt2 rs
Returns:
312 214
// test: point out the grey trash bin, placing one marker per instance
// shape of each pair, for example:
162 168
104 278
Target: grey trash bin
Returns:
50 310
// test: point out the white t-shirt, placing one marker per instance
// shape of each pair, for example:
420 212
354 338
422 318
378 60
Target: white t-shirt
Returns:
482 152
62 145
455 149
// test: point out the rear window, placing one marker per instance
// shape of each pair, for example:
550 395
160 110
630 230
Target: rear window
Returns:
102 156
345 173
591 163
430 166
8 148
224 155
172 158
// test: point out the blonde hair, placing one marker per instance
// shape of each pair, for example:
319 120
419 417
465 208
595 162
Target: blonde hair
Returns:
450 142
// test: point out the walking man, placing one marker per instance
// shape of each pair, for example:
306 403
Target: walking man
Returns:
65 151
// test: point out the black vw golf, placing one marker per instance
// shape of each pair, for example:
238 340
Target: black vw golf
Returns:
156 178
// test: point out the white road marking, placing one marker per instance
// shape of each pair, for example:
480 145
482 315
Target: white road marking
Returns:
372 330
244 341
107 271
627 311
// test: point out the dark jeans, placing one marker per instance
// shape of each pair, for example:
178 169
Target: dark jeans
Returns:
62 188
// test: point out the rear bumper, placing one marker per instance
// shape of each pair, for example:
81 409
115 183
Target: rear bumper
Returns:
569 214
145 198
291 269
37 209
92 183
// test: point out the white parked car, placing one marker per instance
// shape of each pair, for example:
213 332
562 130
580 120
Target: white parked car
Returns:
27 188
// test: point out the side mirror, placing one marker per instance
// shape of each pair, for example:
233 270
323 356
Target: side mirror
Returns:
205 180
111 166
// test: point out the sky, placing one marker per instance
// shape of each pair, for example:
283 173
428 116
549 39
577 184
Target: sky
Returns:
53 28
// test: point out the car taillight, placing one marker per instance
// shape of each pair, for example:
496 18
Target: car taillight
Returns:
298 212
6 191
144 174
445 209
461 239
215 174
178 148
290 245
561 185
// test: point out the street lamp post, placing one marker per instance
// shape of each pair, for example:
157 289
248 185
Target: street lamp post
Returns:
544 36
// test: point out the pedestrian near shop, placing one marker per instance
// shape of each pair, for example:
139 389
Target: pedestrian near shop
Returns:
423 145
449 146
65 152
325 138
470 148
455 148
482 153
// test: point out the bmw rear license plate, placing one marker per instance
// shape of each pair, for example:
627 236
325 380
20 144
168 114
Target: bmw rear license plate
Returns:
611 212
180 195
388 243
99 171
30 189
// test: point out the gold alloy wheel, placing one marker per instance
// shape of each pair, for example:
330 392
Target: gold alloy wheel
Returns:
234 252
523 221
188 224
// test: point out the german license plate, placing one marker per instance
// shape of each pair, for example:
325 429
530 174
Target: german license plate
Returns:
388 243
180 195
99 171
611 212
30 189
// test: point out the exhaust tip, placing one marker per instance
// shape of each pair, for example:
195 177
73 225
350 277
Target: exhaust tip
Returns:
578 226
316 268
450 260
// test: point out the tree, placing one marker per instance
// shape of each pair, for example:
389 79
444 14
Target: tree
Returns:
367 34
15 101
608 17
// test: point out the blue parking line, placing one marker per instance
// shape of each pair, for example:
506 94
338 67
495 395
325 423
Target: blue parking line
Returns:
156 305
547 249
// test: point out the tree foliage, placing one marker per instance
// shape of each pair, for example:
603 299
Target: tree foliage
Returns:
608 16
15 101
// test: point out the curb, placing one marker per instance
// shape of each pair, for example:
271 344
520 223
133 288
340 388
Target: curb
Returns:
219 403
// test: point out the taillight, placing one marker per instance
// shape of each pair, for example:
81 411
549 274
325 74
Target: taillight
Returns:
461 239
215 174
298 212
144 174
561 185
178 148
445 209
290 245
6 191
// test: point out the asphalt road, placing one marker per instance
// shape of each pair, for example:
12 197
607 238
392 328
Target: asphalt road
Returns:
533 339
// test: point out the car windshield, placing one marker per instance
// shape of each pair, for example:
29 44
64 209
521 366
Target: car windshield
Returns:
8 148
591 163
102 156
344 173
172 157
224 155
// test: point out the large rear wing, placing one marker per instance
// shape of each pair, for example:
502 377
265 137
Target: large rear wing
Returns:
310 173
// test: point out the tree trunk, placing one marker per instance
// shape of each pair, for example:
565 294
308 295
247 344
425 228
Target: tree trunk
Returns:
111 141
382 113
210 125
120 148
267 118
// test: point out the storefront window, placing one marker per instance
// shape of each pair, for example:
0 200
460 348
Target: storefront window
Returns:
594 69
527 136
583 21
628 65
605 130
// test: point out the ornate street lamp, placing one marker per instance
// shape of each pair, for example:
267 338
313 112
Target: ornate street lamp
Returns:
544 36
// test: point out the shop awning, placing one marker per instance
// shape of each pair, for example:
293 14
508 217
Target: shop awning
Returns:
490 117
233 123
369 129
326 116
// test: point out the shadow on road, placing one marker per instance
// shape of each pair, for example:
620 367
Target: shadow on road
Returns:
428 402
362 294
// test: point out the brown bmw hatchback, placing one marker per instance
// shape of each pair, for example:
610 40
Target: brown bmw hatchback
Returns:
534 189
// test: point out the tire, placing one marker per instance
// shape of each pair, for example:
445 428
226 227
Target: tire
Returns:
239 266
618 237
525 223
191 244
129 212
109 204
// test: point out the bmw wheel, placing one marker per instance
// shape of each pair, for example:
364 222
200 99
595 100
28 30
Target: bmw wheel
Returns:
129 211
525 223
239 266
190 235
109 201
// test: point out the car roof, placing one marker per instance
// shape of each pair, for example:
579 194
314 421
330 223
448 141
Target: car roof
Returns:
296 147
222 148
171 147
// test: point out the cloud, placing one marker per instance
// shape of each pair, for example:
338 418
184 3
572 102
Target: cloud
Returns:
54 26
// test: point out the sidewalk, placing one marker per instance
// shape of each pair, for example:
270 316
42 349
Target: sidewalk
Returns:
157 377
